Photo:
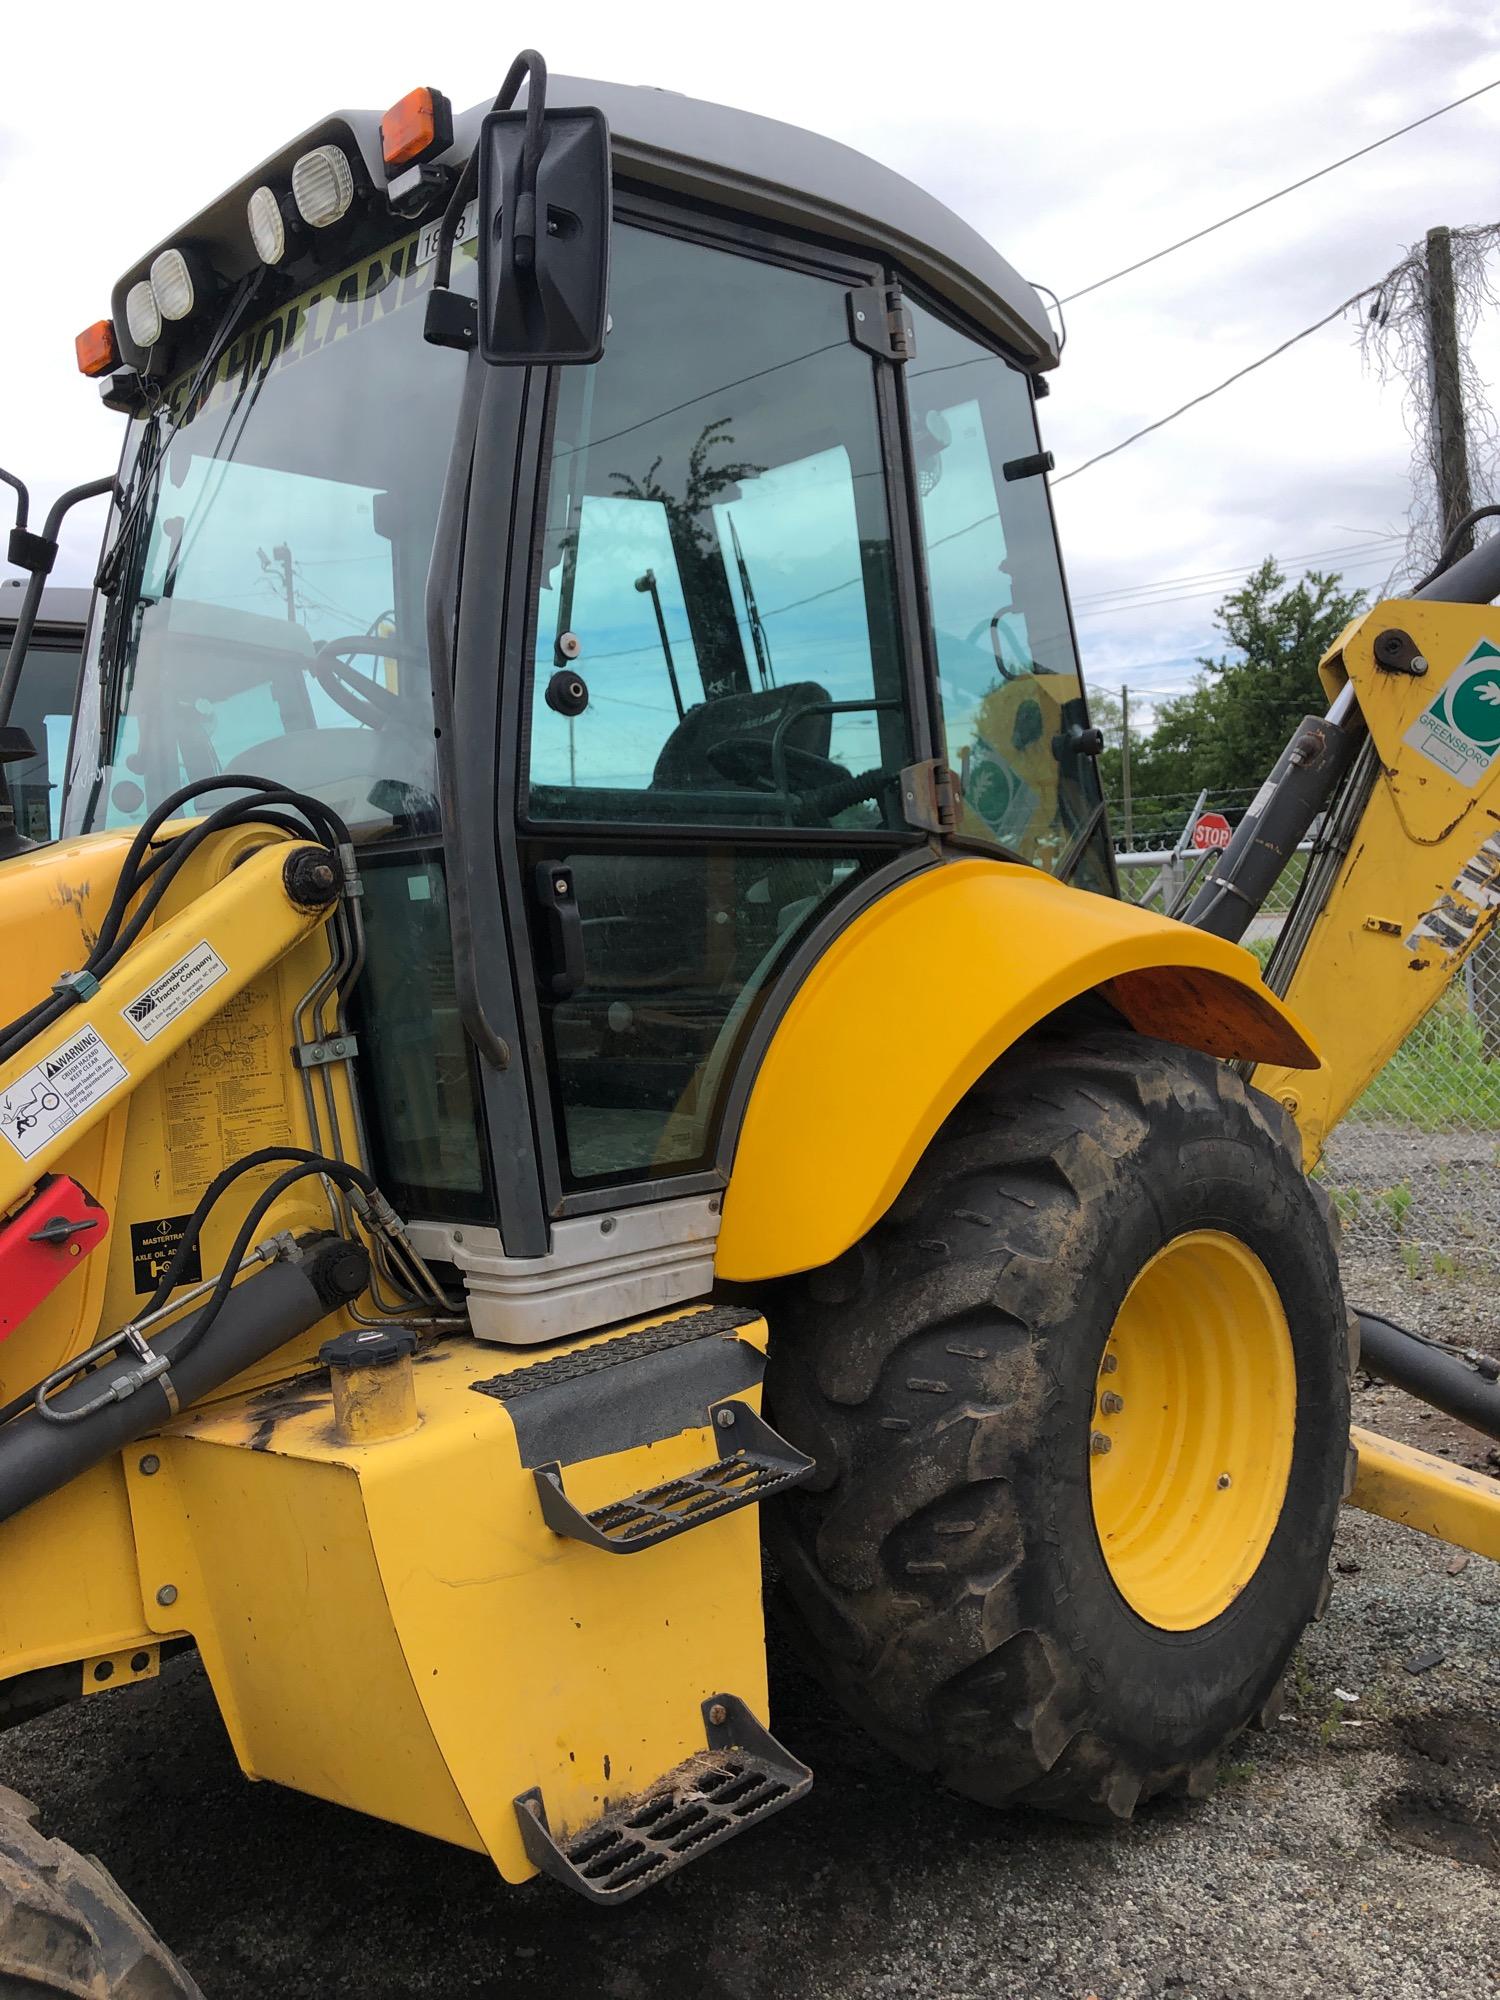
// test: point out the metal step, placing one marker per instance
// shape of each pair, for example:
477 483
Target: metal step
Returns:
754 1463
742 1777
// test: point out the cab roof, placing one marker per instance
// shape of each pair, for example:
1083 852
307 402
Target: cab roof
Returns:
778 173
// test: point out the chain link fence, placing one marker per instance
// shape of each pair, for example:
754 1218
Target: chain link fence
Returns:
1414 1168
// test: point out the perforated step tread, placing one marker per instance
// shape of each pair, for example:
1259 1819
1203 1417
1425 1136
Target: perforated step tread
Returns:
753 1464
741 1778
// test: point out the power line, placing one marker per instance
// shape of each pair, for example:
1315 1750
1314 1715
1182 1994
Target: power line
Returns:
1265 200
1381 561
1238 376
1227 575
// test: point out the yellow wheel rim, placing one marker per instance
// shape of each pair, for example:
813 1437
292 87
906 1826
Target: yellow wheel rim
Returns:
1195 1411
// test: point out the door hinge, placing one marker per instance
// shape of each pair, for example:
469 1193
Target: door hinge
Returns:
880 320
929 796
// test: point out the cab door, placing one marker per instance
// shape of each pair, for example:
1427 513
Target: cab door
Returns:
721 695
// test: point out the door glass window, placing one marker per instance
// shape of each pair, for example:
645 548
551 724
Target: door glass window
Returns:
718 544
679 949
1011 691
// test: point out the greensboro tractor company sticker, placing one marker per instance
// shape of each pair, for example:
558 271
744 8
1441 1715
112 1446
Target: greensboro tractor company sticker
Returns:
47 1099
179 986
1460 727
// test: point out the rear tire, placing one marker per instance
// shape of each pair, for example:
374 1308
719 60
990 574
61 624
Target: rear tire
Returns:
945 1571
67 1928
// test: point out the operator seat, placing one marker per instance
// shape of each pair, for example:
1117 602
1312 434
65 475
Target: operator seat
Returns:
683 764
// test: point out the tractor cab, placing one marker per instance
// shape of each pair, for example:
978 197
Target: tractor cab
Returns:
728 624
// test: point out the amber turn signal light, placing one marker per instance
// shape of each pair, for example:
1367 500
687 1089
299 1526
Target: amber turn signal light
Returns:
96 349
417 126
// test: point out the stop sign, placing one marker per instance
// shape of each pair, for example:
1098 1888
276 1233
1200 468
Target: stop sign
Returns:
1212 830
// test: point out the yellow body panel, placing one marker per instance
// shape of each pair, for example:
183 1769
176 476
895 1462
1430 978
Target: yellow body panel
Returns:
212 1085
1416 891
1430 1494
249 921
394 1627
70 1587
912 1003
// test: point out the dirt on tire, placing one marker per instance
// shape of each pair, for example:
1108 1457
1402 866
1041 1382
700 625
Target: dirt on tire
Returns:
66 1926
942 1573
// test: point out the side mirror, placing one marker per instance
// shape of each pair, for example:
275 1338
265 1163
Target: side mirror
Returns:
543 247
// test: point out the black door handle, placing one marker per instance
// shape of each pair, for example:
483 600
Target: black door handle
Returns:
562 946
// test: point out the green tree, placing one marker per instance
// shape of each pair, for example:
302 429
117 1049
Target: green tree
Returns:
1229 731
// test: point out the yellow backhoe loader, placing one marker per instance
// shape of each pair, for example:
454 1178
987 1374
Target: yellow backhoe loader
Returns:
583 902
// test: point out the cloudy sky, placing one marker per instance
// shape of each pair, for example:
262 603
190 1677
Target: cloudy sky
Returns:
1076 137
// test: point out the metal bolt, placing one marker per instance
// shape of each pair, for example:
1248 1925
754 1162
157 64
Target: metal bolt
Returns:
167 1594
724 1419
1109 1364
1224 1481
150 1463
340 1048
607 1226
718 1714
1111 1404
1099 1444
560 885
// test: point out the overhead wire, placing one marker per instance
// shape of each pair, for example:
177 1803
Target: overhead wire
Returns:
1365 291
1265 200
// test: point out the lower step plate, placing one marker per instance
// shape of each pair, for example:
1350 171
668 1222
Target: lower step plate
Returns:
741 1778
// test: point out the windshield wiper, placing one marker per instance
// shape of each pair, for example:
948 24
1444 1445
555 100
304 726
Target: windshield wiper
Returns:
752 610
143 476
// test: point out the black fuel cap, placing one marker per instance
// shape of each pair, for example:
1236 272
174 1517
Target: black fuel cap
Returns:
368 1347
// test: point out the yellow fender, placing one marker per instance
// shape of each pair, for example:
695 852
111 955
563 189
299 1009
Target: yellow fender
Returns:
909 1007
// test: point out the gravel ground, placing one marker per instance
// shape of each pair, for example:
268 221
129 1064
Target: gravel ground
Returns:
1354 1849
1433 1197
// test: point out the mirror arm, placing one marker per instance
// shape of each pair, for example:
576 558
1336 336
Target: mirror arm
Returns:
445 327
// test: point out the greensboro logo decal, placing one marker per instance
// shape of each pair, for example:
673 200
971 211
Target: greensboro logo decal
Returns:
1460 728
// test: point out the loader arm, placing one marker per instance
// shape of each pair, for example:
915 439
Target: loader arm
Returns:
1405 879
1402 884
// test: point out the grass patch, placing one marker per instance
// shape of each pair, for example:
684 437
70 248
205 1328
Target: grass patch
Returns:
1438 1079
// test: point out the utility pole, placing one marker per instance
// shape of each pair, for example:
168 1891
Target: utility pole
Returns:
1125 768
282 553
1450 451
280 559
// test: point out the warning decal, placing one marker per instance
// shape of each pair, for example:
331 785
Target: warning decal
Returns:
59 1090
179 986
1460 727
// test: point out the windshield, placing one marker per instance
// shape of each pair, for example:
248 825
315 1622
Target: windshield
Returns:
270 617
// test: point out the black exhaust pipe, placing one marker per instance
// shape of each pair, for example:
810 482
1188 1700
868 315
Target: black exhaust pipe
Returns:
1450 1382
261 1313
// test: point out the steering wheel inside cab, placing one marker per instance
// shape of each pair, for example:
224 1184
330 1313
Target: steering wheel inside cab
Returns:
356 694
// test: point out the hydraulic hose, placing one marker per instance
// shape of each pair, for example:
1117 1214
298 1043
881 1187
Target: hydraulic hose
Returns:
155 871
270 1307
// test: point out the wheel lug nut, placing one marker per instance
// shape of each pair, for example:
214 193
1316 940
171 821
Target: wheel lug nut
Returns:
1111 1404
1099 1443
